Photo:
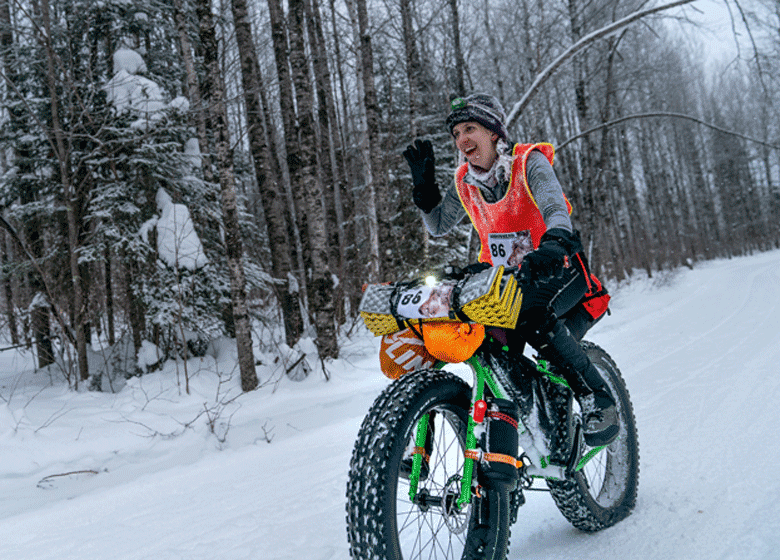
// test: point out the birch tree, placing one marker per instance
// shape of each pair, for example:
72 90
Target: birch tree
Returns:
328 151
271 194
215 94
320 281
369 132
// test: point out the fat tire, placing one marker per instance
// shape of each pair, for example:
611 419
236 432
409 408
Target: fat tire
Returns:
372 524
617 496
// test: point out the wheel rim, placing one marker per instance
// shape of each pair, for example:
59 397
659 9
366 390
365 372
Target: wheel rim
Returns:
434 527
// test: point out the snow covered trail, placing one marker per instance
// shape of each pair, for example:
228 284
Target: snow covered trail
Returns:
247 504
700 351
701 357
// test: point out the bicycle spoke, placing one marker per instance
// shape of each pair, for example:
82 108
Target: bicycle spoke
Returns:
433 536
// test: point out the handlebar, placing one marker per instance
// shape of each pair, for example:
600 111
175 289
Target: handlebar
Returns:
490 297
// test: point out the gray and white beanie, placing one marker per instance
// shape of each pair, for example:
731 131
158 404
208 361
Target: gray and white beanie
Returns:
487 111
481 108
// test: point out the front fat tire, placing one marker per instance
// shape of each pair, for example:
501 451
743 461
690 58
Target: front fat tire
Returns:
375 498
604 492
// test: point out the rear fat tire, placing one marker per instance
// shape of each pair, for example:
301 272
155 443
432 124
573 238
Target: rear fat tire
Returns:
378 506
604 492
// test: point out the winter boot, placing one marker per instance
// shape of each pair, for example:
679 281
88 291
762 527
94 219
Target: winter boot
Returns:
599 415
599 418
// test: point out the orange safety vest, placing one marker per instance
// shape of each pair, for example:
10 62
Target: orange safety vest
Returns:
516 212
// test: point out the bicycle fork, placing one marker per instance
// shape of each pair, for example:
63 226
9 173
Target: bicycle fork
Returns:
482 377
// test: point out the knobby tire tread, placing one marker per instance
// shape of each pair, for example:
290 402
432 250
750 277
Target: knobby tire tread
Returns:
382 435
571 496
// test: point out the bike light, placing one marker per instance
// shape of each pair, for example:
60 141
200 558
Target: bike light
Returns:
430 281
480 407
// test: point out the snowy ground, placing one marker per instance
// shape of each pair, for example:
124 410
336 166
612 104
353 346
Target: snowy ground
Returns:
700 351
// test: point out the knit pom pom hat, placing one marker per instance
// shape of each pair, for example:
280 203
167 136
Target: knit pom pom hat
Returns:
480 108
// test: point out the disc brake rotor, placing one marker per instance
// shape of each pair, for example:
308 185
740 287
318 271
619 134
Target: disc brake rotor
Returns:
456 519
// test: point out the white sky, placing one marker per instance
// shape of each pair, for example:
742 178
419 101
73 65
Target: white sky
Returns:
714 29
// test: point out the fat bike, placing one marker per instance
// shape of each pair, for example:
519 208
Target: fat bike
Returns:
446 454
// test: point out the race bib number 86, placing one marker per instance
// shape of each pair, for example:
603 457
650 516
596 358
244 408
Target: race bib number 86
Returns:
508 249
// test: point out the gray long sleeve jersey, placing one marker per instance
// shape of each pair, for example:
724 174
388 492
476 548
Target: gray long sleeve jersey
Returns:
544 185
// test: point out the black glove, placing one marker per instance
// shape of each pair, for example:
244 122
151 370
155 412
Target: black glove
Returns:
423 165
548 260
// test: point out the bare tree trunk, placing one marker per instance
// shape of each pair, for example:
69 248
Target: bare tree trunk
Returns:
193 90
6 40
135 306
605 184
291 143
413 69
63 157
8 292
369 132
460 64
773 207
353 268
331 182
636 255
270 195
109 281
320 287
494 52
281 177
216 94
587 183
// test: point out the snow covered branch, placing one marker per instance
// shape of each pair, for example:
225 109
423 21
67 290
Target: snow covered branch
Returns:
545 75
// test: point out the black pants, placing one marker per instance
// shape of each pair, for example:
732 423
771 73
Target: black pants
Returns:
554 295
541 325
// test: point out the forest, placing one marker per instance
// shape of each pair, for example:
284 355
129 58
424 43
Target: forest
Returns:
172 171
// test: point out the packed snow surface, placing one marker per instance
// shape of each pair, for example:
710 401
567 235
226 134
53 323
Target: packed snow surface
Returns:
154 473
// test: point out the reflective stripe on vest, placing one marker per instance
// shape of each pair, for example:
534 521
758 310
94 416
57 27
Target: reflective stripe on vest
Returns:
516 212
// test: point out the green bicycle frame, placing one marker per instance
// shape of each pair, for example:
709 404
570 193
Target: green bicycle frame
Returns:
543 367
483 377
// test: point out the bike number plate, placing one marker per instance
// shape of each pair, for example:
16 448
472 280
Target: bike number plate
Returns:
424 302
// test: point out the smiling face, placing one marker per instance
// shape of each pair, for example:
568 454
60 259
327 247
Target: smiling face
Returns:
476 143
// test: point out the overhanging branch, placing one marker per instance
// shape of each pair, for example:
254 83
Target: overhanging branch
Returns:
577 47
668 115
